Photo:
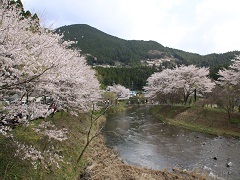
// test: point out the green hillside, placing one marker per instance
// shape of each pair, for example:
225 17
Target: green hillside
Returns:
107 49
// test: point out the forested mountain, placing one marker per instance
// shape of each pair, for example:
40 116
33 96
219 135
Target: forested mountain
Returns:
107 49
101 48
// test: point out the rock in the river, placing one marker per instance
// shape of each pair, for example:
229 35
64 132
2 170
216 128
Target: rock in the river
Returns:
229 164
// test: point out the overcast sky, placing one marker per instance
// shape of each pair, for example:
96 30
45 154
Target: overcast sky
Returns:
199 26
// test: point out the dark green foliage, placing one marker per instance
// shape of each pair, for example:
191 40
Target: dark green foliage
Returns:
25 14
18 3
133 78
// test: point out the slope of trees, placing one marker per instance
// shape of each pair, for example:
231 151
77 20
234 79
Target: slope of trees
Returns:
133 78
215 61
107 49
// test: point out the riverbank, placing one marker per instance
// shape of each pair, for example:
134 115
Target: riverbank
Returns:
49 149
207 120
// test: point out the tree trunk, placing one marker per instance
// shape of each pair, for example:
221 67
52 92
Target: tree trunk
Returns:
186 98
195 95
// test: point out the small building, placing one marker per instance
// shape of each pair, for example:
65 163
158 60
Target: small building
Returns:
132 93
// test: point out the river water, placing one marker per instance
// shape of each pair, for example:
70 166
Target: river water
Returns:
142 140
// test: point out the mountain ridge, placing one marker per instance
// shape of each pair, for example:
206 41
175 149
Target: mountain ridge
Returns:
102 48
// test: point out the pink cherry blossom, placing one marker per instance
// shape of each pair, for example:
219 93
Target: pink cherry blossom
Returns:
184 80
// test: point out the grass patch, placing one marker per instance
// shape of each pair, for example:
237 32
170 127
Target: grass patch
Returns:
168 111
200 119
235 120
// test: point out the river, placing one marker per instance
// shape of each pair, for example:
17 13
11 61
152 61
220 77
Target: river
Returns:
143 141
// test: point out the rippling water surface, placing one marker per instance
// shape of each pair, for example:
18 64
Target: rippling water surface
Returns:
142 140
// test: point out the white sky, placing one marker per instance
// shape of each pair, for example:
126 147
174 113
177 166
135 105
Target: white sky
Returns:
199 26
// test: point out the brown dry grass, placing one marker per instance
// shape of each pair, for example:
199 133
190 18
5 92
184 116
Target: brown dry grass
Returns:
104 163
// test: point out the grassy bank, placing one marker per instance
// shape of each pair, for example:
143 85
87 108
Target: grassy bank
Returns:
45 149
208 120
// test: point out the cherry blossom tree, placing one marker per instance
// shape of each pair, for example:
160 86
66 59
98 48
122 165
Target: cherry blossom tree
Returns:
36 60
16 42
119 90
231 75
229 82
184 80
73 85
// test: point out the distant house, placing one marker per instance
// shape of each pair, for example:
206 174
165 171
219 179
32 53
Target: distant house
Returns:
132 93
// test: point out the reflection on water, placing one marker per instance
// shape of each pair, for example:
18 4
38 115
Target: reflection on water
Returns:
143 141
